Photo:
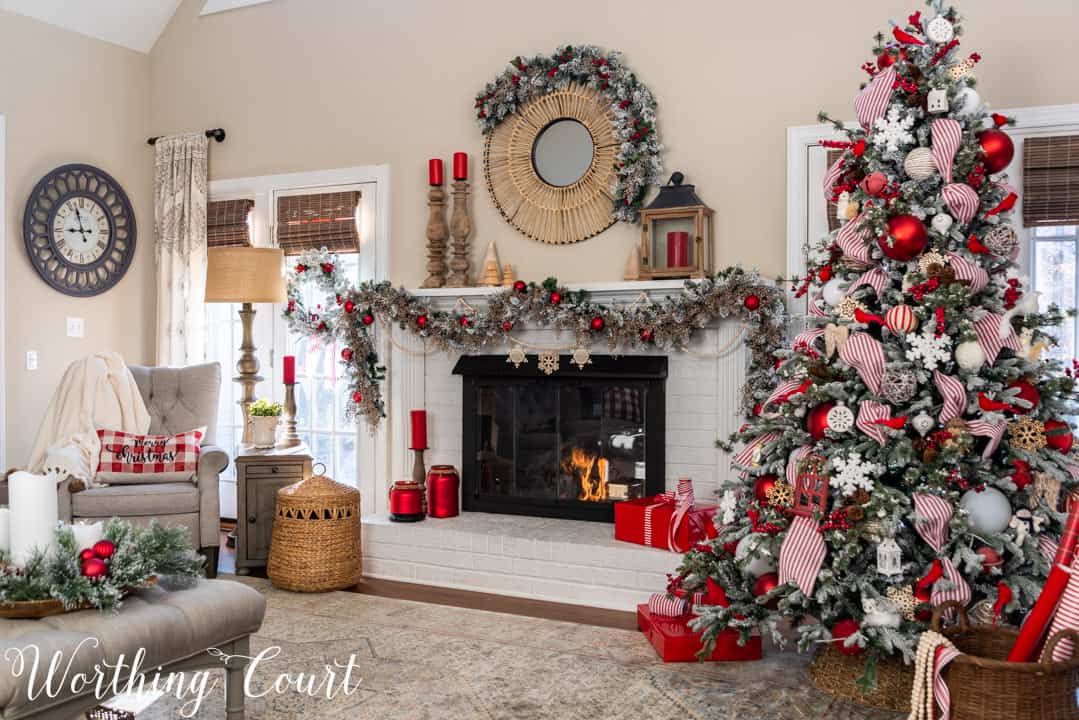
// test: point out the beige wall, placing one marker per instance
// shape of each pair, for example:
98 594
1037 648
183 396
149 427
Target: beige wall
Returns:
67 98
311 84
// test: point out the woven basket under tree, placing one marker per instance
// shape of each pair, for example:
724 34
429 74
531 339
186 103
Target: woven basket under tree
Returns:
984 686
837 674
316 537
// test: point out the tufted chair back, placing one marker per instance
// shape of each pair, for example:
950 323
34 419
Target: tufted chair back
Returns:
180 399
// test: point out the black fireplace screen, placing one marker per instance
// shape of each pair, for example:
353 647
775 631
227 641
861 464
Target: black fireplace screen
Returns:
564 445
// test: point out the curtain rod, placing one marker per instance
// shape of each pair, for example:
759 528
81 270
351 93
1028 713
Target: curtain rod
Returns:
217 134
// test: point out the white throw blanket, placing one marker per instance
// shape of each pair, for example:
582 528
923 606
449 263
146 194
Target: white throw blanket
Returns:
95 392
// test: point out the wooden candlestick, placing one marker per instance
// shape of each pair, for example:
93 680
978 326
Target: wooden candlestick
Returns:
419 476
436 238
290 438
460 229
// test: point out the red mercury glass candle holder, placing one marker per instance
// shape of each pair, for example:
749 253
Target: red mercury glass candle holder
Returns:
443 492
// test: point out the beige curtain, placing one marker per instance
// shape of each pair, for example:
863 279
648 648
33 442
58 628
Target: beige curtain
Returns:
180 234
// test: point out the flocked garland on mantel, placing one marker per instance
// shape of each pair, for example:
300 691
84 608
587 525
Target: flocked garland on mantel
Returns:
348 312
633 110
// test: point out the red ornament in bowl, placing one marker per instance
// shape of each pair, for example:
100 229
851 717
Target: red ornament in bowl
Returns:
817 420
104 549
843 630
1058 435
997 149
87 554
94 568
906 238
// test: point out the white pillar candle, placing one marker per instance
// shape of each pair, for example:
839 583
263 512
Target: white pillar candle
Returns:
5 529
34 514
86 534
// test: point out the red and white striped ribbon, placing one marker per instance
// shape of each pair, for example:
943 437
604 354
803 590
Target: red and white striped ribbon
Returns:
954 393
988 331
815 308
993 431
1047 546
802 554
869 411
960 590
947 137
1067 614
831 178
783 391
962 201
853 239
808 337
865 354
932 525
661 500
943 696
968 272
744 457
875 278
792 463
873 100
685 492
685 502
666 605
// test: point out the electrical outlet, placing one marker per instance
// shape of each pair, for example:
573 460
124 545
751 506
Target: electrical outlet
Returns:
31 359
76 327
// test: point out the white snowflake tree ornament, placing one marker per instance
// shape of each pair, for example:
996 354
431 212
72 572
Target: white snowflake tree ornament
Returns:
892 131
853 473
929 349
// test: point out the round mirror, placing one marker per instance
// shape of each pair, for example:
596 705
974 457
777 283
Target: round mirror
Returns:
562 152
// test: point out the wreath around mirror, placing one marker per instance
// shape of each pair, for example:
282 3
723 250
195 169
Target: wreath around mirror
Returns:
536 162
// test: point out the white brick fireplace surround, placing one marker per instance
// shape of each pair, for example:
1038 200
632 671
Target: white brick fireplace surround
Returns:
558 560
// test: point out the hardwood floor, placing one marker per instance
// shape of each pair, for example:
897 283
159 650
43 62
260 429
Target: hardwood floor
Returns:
462 598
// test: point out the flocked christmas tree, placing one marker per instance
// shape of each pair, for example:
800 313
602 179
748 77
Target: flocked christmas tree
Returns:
914 448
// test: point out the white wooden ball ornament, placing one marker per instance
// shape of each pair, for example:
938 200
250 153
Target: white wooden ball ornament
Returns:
919 164
988 511
840 418
942 222
969 355
900 319
939 30
967 101
761 565
832 292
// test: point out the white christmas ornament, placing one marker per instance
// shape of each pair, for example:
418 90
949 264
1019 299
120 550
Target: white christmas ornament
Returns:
930 350
840 418
988 511
967 101
764 563
832 292
893 130
919 164
889 558
728 504
969 355
937 101
939 30
942 222
923 423
852 473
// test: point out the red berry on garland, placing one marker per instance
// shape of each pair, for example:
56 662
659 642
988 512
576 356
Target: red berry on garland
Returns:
817 420
647 336
506 326
520 286
357 397
301 268
1021 473
762 485
843 630
752 302
327 268
421 321
906 238
104 549
556 297
95 568
1026 392
765 584
997 149
990 558
346 354
350 306
368 319
464 321
597 324
87 554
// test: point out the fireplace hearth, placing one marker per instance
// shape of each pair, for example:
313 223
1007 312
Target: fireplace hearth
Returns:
566 445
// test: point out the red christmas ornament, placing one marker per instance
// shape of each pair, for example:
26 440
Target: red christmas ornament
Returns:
874 183
765 584
87 554
885 59
506 326
556 297
597 324
421 321
1058 435
646 336
301 268
95 568
997 149
1026 392
762 485
906 238
464 321
817 420
346 354
990 558
843 630
1021 474
349 306
519 285
327 268
357 397
368 319
752 302
104 549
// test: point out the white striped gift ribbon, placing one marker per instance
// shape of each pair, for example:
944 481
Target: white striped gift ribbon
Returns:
815 309
873 100
745 457
969 272
988 331
666 605
960 590
940 688
875 278
662 499
954 393
783 390
808 337
868 413
934 513
802 554
865 354
685 492
853 239
1047 546
792 463
1067 614
991 430
947 137
961 200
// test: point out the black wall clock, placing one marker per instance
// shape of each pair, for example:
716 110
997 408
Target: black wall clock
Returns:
79 230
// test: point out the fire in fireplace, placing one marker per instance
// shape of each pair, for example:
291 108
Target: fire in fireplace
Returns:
565 445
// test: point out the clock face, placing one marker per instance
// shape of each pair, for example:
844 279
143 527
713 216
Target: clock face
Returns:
79 230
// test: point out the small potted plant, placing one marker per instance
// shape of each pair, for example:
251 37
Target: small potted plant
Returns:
264 417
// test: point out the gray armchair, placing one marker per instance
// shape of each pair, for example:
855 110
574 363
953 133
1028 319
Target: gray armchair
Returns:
178 399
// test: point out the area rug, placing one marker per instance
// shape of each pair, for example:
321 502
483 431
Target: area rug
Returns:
417 660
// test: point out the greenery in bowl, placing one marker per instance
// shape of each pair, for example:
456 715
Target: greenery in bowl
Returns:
265 408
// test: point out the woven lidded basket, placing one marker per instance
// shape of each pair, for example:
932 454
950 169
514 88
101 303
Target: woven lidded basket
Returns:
316 537
836 674
985 686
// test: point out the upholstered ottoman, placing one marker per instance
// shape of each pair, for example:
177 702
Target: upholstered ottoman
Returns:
175 629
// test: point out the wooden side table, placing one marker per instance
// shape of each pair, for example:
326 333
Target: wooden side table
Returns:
259 475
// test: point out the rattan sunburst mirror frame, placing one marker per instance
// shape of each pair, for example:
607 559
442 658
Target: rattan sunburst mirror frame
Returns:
541 211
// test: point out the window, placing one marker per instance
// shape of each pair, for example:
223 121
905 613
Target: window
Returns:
1053 257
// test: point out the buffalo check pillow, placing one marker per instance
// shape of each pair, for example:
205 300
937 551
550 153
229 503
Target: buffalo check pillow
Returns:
124 454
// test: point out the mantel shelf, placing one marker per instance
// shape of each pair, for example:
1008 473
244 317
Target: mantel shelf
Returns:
601 292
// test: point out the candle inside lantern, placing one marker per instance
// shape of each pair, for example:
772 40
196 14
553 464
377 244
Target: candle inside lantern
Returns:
289 366
460 166
434 171
677 249
419 429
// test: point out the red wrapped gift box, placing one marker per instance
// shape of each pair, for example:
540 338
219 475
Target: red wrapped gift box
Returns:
630 523
675 642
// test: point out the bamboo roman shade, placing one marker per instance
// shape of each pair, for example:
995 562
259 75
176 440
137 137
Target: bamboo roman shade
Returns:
226 223
830 208
322 220
1051 181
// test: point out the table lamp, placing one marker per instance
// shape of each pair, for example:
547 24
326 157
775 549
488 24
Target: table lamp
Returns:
246 275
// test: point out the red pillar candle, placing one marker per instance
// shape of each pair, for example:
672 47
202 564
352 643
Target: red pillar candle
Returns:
289 366
460 166
419 429
434 171
677 249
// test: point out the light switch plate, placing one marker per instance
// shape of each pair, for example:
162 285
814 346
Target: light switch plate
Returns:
31 359
76 327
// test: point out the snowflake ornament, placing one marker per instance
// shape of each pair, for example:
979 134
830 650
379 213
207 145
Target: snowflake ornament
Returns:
930 350
548 362
892 131
728 504
853 473
517 356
